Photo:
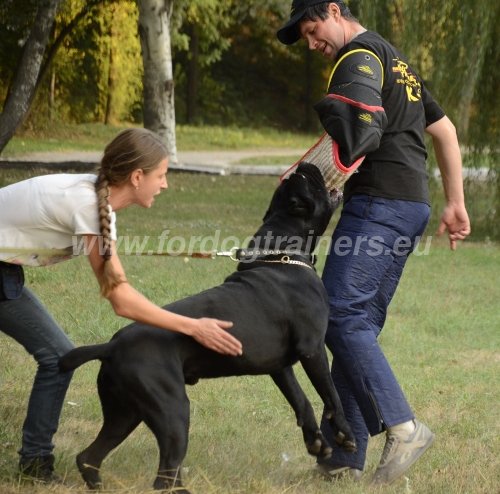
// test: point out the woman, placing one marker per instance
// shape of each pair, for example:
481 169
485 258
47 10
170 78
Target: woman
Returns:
41 219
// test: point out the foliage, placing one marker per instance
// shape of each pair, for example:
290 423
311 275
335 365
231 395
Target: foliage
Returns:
16 19
100 60
209 17
256 78
453 46
100 56
230 69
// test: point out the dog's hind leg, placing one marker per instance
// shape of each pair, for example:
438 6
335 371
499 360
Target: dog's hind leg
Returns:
120 419
316 367
112 433
314 440
166 413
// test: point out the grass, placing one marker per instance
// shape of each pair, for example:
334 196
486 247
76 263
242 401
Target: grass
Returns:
270 160
93 137
61 137
482 198
441 338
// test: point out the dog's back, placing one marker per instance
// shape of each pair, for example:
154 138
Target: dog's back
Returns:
271 316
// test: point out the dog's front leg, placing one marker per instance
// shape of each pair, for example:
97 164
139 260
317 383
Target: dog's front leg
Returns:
316 367
314 440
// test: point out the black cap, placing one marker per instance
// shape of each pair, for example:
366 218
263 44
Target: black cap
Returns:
289 33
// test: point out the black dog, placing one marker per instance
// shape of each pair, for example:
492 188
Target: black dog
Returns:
280 311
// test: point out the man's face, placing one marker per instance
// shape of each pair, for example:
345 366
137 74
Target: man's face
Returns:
326 36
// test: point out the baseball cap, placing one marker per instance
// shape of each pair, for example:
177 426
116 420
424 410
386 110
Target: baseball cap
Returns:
289 33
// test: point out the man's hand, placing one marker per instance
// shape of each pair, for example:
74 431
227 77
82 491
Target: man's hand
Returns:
456 220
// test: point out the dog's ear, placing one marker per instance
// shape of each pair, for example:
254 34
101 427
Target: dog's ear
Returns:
274 201
264 219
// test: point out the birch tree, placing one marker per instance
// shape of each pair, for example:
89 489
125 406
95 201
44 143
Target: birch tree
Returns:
158 82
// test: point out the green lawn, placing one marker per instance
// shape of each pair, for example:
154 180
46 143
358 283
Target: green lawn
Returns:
442 338
482 198
93 137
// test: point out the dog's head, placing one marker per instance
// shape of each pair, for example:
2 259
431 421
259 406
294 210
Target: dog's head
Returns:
301 205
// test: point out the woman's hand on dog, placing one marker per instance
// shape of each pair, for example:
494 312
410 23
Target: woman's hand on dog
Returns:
212 333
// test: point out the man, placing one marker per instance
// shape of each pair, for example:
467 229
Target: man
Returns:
379 107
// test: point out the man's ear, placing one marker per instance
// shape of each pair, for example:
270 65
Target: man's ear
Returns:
334 10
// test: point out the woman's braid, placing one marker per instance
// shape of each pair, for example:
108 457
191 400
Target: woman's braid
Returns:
104 209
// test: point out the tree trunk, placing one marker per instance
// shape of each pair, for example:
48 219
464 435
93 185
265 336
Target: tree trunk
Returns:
159 107
52 95
478 37
192 74
111 83
22 89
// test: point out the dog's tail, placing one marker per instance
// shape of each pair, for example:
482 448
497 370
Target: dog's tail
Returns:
79 356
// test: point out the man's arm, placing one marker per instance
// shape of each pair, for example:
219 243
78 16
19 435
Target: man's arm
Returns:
454 218
352 111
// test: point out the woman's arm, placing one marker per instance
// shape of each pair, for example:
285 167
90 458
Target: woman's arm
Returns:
454 218
128 302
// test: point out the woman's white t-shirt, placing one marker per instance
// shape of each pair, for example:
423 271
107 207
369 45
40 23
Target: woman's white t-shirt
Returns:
42 219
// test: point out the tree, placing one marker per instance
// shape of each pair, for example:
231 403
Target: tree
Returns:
199 36
22 89
98 68
259 81
453 45
38 24
229 50
158 81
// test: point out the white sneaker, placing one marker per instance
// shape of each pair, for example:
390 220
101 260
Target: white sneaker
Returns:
401 452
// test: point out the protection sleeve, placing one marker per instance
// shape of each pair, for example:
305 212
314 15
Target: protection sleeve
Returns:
352 113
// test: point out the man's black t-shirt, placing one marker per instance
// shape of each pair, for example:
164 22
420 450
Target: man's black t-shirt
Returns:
397 169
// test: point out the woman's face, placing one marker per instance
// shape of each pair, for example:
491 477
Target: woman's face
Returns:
151 184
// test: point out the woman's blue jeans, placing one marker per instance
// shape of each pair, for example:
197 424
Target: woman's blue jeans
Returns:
370 246
27 321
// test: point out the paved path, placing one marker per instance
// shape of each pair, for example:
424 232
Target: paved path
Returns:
218 162
214 162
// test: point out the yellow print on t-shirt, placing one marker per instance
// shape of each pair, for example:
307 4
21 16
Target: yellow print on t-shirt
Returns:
412 84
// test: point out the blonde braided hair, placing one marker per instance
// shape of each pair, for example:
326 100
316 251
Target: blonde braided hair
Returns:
130 150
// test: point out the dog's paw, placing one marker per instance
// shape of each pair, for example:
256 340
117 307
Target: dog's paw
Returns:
169 482
348 443
342 433
89 474
319 447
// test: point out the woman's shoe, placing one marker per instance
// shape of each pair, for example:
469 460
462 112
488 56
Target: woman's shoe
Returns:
39 468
